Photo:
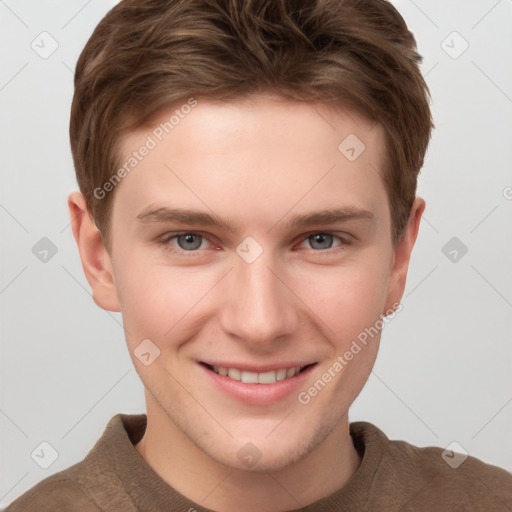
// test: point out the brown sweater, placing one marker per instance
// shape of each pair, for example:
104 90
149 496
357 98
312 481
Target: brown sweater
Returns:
394 476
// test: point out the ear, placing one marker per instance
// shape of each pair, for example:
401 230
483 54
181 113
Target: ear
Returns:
95 258
402 256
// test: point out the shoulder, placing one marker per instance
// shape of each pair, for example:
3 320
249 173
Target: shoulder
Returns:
57 492
432 477
93 483
456 479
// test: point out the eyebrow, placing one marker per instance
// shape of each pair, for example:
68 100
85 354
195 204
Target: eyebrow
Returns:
192 217
331 216
183 216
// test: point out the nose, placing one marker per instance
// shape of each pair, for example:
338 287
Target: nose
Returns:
257 306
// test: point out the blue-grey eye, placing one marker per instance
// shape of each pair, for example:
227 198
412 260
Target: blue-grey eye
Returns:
189 241
321 241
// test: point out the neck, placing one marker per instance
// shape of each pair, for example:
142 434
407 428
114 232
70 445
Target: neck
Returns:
191 472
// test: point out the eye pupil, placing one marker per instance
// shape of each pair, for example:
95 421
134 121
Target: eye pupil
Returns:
189 241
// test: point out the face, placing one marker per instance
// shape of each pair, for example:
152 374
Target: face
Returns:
247 243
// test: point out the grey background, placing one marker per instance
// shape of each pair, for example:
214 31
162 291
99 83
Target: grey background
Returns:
444 369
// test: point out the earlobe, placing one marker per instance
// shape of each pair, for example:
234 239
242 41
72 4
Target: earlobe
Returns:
93 254
402 256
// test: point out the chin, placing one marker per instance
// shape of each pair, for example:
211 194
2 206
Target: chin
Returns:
270 453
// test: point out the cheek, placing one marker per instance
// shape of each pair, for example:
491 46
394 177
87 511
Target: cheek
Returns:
156 299
349 302
348 298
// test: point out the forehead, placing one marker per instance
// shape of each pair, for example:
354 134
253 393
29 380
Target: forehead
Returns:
261 156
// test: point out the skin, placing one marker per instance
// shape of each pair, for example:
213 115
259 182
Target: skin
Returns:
256 164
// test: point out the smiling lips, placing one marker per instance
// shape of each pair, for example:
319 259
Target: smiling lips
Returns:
258 385
251 377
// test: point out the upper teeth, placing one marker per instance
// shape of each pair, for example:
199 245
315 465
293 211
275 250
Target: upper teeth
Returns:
258 378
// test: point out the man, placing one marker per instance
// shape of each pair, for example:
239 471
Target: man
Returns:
247 176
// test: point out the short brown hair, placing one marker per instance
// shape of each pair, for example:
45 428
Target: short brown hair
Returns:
149 54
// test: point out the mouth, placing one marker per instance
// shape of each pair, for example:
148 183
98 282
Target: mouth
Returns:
262 377
257 385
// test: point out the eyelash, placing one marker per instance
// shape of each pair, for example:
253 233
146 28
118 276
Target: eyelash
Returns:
167 238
